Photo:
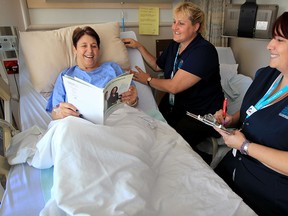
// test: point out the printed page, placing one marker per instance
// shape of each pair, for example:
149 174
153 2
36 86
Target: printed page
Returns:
113 90
86 97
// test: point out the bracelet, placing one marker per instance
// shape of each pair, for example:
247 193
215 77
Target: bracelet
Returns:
244 147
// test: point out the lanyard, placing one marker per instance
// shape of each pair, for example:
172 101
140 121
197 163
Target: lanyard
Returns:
175 62
172 96
264 101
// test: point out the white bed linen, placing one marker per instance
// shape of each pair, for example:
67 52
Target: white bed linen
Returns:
144 168
23 195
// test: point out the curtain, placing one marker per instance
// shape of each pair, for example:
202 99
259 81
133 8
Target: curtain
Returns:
214 12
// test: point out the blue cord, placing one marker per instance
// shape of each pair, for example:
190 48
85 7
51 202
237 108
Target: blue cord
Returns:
123 22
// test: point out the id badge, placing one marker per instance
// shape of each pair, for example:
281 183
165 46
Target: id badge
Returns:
251 110
171 96
171 99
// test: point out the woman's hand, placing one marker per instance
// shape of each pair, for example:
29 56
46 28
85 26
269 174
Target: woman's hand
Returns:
131 43
130 97
219 116
140 76
233 140
63 110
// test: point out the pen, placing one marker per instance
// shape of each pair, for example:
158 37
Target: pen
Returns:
80 115
225 102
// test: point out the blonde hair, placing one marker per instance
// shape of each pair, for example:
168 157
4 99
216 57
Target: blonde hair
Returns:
194 14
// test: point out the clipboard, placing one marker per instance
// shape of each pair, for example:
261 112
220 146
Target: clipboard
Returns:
210 120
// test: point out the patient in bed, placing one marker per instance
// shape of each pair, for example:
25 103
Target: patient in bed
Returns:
93 152
86 46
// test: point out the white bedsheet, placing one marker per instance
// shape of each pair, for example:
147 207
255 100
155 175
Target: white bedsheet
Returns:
143 168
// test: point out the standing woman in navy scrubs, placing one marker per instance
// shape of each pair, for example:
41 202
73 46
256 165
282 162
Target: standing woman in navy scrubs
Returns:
191 70
258 167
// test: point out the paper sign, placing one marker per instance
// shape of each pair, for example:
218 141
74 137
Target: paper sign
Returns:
149 20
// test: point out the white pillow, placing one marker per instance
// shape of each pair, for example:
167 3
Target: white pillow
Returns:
225 55
227 72
47 53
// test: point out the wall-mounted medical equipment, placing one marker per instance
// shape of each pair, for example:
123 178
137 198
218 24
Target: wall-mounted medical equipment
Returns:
249 20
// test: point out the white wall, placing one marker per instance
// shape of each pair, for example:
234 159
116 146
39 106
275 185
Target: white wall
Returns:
11 14
252 54
66 16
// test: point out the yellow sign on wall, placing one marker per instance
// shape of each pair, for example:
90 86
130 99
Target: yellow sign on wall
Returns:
149 20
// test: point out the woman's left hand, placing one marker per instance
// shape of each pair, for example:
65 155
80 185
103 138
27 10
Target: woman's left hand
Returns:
233 140
140 75
130 97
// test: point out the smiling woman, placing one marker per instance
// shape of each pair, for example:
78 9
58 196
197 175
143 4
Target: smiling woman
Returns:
258 171
190 83
86 47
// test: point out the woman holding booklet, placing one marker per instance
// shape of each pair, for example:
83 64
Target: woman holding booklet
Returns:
86 46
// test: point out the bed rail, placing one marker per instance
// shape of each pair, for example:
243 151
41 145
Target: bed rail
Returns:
8 130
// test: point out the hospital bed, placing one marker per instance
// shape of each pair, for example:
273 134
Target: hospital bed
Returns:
162 176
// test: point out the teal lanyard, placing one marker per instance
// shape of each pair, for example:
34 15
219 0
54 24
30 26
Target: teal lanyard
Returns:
172 96
175 61
264 101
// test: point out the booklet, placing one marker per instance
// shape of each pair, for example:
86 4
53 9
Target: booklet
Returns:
94 103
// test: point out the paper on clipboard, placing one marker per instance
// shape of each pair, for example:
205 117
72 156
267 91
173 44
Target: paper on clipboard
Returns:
209 120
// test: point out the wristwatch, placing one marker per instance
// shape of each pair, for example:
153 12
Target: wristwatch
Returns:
148 80
244 147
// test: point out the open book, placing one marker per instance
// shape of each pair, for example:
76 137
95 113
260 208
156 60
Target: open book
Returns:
95 104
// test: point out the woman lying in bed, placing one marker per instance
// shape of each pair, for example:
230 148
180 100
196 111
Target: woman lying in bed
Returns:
86 46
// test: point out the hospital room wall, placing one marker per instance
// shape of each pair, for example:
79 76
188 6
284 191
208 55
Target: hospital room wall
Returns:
252 54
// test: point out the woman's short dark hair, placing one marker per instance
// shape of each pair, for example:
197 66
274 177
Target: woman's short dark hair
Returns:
280 27
79 32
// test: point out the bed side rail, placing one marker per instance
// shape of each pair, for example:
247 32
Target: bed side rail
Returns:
8 131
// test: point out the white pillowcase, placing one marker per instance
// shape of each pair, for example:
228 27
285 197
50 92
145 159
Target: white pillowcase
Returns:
227 73
47 53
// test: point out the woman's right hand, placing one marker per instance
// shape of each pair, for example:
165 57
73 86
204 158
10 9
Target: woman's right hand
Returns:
225 121
63 110
129 42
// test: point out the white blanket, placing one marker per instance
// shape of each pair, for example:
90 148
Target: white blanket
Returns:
132 165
